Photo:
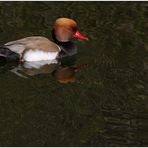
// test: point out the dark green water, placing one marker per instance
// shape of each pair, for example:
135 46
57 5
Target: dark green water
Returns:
107 106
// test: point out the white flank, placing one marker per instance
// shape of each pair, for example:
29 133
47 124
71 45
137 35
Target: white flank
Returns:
38 55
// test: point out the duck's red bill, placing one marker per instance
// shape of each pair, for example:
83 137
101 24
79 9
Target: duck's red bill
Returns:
78 35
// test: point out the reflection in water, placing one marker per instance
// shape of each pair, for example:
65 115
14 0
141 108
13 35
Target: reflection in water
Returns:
35 68
29 68
63 69
67 74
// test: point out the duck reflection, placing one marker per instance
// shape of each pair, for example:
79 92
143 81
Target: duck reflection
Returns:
42 67
27 69
65 74
63 70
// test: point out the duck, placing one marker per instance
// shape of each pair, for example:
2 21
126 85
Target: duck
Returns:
40 48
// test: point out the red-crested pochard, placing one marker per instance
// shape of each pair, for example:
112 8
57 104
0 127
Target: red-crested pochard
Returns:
38 48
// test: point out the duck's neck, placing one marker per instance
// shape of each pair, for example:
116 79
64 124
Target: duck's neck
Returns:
68 48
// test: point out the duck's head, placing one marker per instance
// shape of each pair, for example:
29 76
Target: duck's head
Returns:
65 29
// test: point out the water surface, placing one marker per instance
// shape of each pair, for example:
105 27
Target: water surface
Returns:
108 103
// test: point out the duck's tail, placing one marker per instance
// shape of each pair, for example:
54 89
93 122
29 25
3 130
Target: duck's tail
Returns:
6 55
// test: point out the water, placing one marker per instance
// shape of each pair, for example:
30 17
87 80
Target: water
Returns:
106 105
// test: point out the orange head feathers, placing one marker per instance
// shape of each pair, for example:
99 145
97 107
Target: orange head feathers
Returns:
66 29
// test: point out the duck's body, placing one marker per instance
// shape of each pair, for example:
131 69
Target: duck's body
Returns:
38 48
35 48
